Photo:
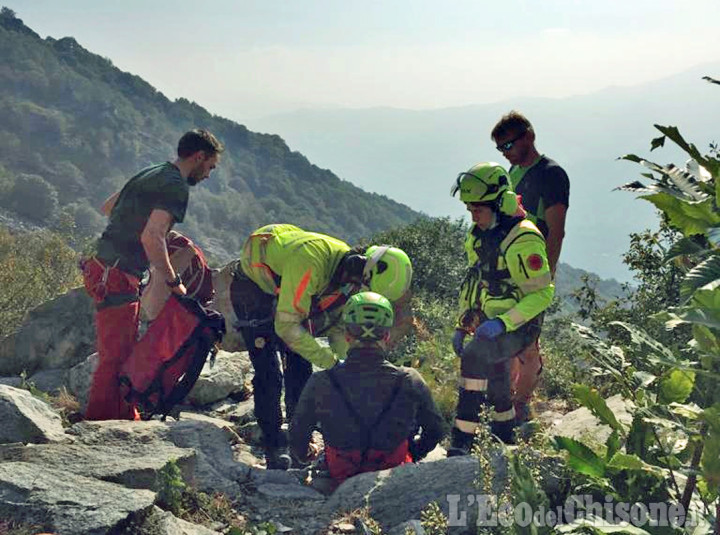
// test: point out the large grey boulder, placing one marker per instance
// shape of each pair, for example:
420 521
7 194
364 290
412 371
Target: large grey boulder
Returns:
50 381
25 418
66 503
15 381
79 379
580 424
401 493
215 468
57 334
217 381
133 464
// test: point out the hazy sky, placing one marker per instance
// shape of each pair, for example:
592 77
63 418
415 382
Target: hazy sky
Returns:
244 59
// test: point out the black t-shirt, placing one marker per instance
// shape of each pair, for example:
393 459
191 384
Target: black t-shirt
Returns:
157 187
542 185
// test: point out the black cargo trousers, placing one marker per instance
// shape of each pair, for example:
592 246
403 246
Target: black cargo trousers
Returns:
272 359
485 381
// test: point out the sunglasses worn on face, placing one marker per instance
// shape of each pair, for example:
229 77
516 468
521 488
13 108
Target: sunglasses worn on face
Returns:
504 147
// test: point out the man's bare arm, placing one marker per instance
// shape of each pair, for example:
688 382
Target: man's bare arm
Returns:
109 204
555 219
153 241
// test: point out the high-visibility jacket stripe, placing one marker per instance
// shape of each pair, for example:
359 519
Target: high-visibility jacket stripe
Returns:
504 416
465 426
475 385
300 290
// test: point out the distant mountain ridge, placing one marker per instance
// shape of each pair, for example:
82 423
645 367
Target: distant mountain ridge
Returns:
74 128
413 156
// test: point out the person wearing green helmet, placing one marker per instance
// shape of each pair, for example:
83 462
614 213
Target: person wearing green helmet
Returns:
507 286
367 408
289 287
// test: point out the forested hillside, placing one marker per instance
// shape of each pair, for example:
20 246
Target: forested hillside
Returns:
73 128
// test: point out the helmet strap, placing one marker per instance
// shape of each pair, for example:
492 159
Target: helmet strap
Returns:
373 260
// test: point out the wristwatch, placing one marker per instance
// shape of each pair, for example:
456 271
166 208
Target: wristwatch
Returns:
177 281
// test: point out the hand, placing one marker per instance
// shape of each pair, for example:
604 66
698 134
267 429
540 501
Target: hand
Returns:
490 329
176 285
179 289
314 449
458 341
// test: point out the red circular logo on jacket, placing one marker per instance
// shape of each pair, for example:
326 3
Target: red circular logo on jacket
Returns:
535 262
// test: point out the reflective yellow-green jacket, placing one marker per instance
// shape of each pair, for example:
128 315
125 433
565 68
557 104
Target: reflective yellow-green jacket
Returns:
508 275
297 266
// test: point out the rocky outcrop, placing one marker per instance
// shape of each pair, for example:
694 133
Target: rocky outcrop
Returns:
66 503
57 334
131 464
225 377
399 494
215 468
580 424
25 418
79 378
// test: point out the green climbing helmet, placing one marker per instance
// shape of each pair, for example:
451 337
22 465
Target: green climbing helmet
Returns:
368 316
388 271
486 182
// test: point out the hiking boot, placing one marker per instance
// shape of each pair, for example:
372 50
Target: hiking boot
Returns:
460 443
297 463
277 459
523 413
457 451
504 431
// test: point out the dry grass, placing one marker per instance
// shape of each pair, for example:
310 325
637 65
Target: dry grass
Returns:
351 517
10 527
200 508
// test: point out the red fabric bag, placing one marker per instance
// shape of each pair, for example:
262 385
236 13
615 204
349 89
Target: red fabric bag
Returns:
166 362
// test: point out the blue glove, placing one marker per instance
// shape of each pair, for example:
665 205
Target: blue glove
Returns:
458 341
490 329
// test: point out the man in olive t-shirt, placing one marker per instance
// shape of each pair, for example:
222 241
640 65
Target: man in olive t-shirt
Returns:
141 214
545 190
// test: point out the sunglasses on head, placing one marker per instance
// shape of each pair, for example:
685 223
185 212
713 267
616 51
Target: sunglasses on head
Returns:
504 147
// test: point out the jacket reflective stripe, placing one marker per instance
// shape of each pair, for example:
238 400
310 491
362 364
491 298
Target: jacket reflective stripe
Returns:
475 385
536 283
300 290
516 317
504 416
465 426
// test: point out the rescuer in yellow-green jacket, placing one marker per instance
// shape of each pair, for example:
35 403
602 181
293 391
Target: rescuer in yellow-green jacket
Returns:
290 287
507 287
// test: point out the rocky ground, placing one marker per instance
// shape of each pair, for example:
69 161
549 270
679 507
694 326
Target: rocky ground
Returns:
69 476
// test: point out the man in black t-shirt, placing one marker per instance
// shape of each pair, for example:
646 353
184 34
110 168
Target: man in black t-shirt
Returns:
141 214
545 190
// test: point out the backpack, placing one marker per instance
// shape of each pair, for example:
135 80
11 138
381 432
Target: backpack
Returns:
166 362
189 261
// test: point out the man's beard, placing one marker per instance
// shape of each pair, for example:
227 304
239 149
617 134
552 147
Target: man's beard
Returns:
192 180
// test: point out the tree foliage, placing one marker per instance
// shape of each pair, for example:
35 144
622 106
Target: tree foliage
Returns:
671 379
34 268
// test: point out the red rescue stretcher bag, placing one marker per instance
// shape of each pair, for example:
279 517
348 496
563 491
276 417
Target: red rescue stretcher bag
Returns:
167 361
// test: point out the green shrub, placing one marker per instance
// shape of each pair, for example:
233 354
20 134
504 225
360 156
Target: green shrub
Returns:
34 267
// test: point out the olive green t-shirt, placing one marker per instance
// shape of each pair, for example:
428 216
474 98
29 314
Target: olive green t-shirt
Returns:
157 187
